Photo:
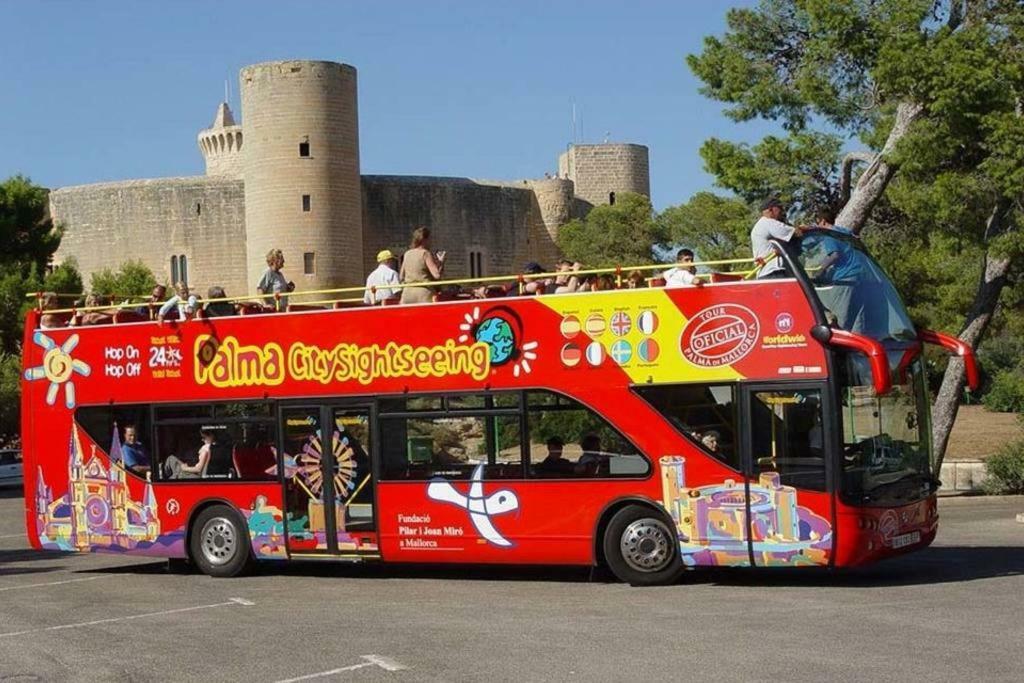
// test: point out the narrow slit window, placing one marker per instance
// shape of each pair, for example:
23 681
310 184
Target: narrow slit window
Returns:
611 198
309 263
304 149
183 268
306 202
174 269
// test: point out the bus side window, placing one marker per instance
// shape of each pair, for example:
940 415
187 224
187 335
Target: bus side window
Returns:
787 436
703 413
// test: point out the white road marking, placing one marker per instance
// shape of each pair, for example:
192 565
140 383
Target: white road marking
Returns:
52 583
371 660
14 536
230 603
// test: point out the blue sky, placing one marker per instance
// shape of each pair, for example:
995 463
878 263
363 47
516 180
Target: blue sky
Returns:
92 92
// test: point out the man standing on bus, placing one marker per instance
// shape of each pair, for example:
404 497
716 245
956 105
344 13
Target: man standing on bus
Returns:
769 225
379 281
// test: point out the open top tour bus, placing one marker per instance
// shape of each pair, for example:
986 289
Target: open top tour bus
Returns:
771 422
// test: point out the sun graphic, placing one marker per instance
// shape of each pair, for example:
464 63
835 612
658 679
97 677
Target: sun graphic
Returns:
497 331
58 367
308 467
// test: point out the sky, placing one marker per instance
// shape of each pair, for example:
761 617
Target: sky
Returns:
93 92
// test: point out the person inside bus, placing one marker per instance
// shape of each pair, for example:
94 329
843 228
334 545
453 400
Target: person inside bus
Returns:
379 282
420 264
134 455
555 464
684 273
592 458
770 225
193 467
710 440
183 301
273 283
218 308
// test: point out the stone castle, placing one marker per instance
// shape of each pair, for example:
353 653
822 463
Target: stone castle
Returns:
288 177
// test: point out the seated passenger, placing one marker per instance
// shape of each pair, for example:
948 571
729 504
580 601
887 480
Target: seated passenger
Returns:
592 458
684 273
218 308
379 281
135 456
182 301
567 280
555 464
635 280
193 468
48 302
534 285
96 317
710 440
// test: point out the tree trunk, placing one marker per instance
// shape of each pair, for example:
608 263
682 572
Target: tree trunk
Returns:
947 403
872 182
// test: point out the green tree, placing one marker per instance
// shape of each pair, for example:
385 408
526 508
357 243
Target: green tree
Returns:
714 227
64 279
932 89
133 278
27 234
623 233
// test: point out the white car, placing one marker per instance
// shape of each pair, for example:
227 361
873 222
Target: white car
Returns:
10 468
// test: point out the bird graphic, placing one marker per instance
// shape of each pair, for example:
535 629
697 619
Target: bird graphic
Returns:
480 508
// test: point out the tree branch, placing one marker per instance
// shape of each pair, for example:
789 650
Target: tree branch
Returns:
847 171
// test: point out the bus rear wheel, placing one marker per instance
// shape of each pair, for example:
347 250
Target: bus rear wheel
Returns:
219 542
641 548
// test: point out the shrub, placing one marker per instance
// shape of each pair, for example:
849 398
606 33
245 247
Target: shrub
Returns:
1006 469
1006 395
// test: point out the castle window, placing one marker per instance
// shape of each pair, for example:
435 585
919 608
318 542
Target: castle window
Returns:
304 149
199 209
183 269
476 263
305 202
309 263
611 198
174 269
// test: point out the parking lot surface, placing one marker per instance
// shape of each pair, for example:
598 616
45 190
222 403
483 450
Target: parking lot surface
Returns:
953 611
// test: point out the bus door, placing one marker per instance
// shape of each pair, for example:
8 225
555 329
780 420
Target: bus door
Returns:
328 482
787 439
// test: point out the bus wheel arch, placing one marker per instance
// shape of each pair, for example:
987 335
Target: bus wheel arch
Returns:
632 516
217 539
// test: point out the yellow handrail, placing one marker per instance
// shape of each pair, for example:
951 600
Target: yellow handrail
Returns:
521 278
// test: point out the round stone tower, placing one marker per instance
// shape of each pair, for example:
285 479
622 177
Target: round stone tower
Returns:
554 209
301 167
601 171
221 145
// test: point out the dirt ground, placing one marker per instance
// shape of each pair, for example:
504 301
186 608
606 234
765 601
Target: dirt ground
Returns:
979 433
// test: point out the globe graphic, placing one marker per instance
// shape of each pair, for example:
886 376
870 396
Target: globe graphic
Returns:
497 333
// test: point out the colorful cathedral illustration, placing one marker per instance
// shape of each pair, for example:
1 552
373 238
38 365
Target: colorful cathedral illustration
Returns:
97 510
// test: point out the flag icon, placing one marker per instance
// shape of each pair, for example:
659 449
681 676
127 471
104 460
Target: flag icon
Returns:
647 351
622 352
621 323
571 355
647 322
595 353
595 325
570 326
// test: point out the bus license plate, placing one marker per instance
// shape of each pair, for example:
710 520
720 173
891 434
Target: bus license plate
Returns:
903 540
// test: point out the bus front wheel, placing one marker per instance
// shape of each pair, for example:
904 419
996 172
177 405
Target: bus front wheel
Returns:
641 548
219 543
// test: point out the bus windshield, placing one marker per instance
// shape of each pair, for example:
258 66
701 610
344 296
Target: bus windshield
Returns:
886 457
856 293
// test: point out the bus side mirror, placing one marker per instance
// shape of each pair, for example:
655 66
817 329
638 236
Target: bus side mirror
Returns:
957 348
881 377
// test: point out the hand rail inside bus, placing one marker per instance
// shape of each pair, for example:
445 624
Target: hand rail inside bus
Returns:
957 348
519 279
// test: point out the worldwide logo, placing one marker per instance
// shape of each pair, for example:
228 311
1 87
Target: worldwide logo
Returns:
719 335
784 322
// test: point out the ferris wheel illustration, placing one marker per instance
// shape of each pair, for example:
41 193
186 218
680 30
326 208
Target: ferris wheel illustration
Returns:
309 472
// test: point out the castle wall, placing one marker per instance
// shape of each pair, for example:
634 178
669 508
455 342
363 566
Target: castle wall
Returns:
504 221
286 105
151 220
598 170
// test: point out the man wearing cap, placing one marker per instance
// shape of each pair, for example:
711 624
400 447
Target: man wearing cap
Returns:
378 283
770 225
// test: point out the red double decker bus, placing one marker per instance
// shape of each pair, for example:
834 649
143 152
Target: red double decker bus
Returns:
773 422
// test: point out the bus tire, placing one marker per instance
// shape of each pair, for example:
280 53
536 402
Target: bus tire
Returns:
641 547
219 542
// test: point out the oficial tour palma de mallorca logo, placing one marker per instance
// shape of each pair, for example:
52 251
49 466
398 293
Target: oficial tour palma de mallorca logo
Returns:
719 335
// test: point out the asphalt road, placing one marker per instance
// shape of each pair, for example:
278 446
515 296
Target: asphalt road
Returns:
952 612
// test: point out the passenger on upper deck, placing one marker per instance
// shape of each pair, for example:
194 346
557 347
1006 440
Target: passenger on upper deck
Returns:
769 225
185 303
95 317
684 272
153 303
567 280
273 281
48 302
218 309
635 280
379 280
419 264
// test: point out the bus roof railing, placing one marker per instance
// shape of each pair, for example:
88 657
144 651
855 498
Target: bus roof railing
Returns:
520 278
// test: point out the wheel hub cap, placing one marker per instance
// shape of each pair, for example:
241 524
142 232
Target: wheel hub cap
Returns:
647 545
220 539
